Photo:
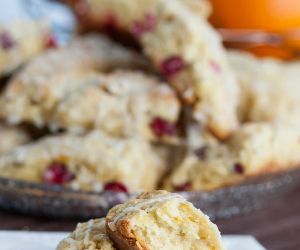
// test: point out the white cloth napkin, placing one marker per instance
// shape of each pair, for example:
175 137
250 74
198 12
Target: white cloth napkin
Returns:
22 240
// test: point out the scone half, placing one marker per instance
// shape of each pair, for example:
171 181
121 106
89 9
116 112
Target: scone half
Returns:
161 220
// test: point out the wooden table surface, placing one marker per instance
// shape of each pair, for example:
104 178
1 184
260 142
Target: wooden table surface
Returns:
277 226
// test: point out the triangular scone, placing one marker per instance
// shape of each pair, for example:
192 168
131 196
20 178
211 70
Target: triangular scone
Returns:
46 78
270 89
21 40
254 149
161 220
91 162
120 103
187 51
90 235
11 137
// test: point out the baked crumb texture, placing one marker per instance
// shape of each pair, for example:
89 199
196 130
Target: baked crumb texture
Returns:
256 148
161 220
153 220
11 137
270 90
61 89
88 236
88 162
193 60
20 41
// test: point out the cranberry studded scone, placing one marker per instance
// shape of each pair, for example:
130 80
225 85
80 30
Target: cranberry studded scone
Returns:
89 12
91 162
270 89
161 220
20 41
11 137
193 60
34 91
90 235
254 149
121 103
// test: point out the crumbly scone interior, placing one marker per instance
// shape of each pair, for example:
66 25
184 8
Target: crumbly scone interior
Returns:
161 220
206 69
90 235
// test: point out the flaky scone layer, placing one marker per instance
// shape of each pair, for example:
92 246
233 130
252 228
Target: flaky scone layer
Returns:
161 220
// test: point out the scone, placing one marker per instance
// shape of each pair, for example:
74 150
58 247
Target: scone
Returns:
270 89
193 60
11 137
161 220
254 149
58 72
122 103
88 236
88 12
91 162
20 41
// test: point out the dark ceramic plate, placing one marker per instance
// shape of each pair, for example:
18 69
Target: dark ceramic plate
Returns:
58 202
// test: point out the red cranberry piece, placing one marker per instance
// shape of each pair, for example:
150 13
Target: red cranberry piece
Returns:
115 187
146 25
6 41
238 168
172 66
110 23
162 127
183 187
201 152
51 41
215 66
57 173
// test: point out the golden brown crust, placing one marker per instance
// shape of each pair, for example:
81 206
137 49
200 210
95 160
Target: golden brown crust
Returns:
123 238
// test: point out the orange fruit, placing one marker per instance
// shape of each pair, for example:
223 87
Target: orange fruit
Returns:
279 16
272 15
